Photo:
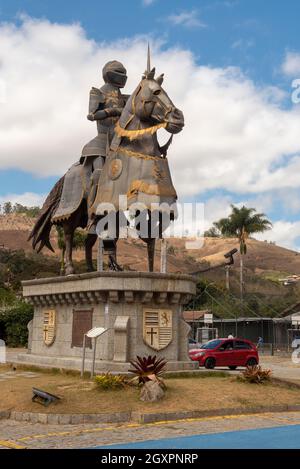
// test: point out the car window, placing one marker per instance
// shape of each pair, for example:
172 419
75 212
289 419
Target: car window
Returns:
211 344
228 345
240 345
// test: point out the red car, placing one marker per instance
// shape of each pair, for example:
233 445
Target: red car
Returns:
226 352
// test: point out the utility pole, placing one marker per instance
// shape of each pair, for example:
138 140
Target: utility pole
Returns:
227 270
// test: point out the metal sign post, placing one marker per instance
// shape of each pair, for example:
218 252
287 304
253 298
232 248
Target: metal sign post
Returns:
91 334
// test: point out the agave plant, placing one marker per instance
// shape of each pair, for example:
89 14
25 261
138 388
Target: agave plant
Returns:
148 368
256 374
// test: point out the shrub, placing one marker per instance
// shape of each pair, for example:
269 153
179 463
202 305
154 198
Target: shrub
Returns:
148 369
255 374
108 381
14 321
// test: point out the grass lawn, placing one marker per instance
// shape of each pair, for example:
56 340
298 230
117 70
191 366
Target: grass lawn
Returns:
195 393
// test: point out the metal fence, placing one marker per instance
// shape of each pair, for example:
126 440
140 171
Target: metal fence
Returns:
280 349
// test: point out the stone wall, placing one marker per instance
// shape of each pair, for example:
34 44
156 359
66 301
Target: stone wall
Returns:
118 301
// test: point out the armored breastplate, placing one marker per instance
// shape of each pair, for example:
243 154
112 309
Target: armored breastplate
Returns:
104 98
112 98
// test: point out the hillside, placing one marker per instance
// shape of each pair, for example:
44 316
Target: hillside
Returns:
263 259
265 263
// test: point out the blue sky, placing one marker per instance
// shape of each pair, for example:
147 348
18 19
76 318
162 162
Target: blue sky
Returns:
253 34
259 38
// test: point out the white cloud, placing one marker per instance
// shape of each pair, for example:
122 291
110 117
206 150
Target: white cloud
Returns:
189 19
291 64
29 199
237 136
284 233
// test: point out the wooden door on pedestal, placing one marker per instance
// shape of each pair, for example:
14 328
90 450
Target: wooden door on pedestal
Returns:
82 323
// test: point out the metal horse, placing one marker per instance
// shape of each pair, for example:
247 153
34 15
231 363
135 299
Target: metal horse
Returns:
136 166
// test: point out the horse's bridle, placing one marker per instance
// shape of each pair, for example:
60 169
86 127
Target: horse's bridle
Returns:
156 100
132 134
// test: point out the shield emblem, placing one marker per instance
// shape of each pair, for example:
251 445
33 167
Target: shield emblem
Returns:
157 330
49 326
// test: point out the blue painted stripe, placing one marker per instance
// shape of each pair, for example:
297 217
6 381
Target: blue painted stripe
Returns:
285 437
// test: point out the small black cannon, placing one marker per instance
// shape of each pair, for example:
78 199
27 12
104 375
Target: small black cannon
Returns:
43 397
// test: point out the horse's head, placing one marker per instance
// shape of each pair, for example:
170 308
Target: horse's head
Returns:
152 104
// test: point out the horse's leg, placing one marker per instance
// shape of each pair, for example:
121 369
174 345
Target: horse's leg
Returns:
89 243
69 229
110 248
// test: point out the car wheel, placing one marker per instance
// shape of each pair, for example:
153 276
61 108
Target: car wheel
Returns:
210 363
251 362
232 367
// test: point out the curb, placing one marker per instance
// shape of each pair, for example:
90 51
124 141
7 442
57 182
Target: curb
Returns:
69 419
138 417
198 414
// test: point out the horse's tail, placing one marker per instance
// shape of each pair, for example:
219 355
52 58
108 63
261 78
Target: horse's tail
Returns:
41 230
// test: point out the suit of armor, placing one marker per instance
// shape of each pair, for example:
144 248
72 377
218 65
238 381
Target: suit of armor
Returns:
105 107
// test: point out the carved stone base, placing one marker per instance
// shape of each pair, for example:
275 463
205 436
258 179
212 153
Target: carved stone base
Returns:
142 312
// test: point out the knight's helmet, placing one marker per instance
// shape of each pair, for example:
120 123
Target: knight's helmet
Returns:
115 73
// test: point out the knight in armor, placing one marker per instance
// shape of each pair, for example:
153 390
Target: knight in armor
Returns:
105 107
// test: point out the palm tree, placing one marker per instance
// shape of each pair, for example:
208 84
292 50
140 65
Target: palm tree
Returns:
241 223
78 243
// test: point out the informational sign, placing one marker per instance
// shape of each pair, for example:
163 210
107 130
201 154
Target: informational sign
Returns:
208 318
95 332
296 319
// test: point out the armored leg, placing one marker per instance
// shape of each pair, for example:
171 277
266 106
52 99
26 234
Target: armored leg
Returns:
94 179
110 247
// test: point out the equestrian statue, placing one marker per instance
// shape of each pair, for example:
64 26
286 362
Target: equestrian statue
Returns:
124 159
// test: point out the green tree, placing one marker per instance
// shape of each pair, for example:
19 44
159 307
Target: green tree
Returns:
78 243
241 223
212 232
7 208
31 212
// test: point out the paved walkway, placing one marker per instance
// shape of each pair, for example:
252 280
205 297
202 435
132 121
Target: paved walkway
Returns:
26 435
283 368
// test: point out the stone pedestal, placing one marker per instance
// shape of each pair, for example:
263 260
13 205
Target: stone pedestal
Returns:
142 312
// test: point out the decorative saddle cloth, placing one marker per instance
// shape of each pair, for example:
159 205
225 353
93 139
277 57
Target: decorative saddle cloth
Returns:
72 193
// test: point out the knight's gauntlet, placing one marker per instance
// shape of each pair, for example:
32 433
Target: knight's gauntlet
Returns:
100 115
113 111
